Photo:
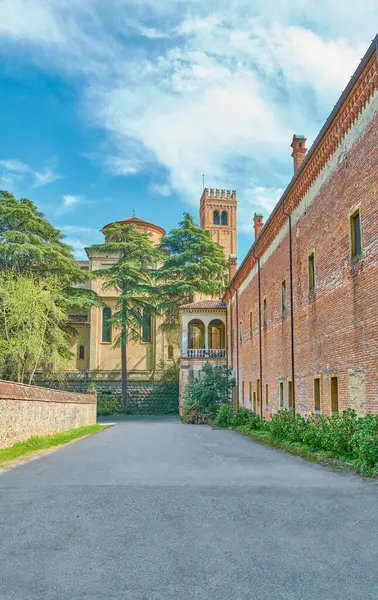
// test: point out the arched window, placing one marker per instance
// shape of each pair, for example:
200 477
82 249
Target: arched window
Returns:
106 325
170 352
216 218
224 218
196 337
217 333
81 352
146 328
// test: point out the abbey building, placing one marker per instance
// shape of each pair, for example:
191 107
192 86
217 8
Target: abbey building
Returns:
94 357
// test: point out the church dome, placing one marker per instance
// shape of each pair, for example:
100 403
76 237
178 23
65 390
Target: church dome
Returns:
145 226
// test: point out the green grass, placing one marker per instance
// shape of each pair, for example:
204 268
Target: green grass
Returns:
36 444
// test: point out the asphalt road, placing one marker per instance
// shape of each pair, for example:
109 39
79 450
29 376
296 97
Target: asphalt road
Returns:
156 510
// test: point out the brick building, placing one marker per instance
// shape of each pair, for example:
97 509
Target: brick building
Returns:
302 309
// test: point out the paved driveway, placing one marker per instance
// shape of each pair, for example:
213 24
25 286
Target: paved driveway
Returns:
156 510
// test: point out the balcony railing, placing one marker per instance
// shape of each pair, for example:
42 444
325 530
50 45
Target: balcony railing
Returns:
202 353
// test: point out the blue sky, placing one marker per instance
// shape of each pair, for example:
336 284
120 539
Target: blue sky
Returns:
110 107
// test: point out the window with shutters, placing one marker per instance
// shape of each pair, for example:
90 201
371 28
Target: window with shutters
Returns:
317 405
106 326
355 235
334 395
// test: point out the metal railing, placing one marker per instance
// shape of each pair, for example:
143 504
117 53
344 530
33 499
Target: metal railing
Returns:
202 353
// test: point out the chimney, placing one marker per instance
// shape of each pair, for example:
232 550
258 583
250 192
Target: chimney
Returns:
257 224
299 150
232 266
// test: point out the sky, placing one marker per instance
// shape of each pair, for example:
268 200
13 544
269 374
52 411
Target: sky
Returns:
107 108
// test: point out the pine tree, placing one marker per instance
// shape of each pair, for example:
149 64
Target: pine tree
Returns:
30 245
133 274
193 264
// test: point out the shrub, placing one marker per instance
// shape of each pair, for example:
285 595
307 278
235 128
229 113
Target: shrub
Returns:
241 418
364 444
210 389
108 405
192 415
224 416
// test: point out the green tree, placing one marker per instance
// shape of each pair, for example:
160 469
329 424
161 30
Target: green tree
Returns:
193 264
32 328
29 244
133 275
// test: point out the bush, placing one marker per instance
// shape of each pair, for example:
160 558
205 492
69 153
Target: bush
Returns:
209 390
192 415
344 436
224 416
108 405
364 444
241 417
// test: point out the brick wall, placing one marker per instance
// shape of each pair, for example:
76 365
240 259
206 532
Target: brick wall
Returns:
27 411
335 327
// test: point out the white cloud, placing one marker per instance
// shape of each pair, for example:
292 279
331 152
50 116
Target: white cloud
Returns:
160 189
46 176
69 201
81 237
257 199
16 169
15 166
215 87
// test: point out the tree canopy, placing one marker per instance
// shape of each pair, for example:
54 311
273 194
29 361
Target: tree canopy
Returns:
32 328
132 274
29 244
193 264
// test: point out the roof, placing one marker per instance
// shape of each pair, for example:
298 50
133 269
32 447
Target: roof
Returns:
83 263
137 221
353 80
204 305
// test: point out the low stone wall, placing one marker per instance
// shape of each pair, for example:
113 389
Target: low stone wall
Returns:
145 397
27 411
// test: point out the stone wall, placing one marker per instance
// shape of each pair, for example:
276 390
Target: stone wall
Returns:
145 397
27 411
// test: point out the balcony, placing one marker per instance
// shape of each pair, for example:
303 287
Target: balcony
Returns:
202 353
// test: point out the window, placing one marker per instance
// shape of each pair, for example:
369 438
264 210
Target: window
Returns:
282 401
250 325
283 299
254 402
216 219
224 218
258 392
146 328
265 314
241 332
317 407
334 395
355 235
266 395
250 392
106 325
81 352
170 352
233 337
311 272
290 393
242 390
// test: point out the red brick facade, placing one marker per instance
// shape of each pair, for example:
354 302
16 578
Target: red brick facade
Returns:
335 325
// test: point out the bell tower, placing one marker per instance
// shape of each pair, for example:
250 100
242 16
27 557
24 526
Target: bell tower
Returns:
218 215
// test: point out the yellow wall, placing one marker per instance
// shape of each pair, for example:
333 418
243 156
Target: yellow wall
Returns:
101 358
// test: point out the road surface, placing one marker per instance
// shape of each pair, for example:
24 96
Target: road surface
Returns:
157 510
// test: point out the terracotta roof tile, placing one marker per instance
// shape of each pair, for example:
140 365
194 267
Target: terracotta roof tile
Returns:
205 304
